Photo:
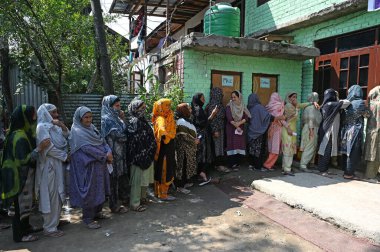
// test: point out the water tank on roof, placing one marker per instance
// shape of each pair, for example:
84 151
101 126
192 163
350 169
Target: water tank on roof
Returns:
222 19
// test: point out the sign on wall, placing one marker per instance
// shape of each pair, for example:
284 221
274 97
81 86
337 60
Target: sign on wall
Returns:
264 83
373 5
227 80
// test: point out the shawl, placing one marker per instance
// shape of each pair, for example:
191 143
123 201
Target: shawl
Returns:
260 119
199 115
238 108
18 147
81 135
110 119
163 123
275 106
141 144
330 108
290 110
374 106
311 115
46 129
216 99
355 96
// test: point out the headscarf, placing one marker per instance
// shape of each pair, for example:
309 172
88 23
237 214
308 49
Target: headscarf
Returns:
330 108
313 97
216 99
311 115
374 106
18 147
199 115
355 96
141 144
110 119
81 135
238 108
46 129
260 119
275 106
163 122
183 111
290 110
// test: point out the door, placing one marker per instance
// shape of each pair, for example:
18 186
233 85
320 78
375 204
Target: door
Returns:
227 81
264 85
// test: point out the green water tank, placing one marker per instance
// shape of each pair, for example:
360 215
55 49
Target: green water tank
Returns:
222 19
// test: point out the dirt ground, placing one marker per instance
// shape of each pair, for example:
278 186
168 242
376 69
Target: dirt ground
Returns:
210 218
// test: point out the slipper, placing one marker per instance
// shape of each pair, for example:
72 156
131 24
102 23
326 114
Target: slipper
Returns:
29 238
205 182
139 208
93 225
120 210
54 234
353 177
4 226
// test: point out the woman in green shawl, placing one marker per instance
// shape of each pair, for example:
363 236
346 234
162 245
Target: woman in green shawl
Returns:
18 168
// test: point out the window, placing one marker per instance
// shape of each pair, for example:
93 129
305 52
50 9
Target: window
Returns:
261 2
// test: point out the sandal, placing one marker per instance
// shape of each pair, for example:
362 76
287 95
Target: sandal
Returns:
29 238
93 225
120 210
352 177
139 208
54 234
205 182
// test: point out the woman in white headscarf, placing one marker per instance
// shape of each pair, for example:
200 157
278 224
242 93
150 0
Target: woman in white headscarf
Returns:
237 115
50 167
89 173
311 119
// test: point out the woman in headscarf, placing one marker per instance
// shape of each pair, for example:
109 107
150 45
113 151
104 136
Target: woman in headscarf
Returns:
352 127
276 108
141 148
237 115
50 175
17 171
372 143
329 129
216 127
288 134
113 131
186 148
90 165
201 122
311 118
164 160
257 131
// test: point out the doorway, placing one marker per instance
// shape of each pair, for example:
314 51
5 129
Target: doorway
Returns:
227 81
264 85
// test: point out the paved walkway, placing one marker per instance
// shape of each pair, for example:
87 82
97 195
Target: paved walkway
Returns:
351 205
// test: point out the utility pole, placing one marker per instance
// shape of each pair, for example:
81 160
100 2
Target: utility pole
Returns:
105 65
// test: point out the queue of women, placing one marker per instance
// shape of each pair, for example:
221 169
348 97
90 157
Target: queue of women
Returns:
129 154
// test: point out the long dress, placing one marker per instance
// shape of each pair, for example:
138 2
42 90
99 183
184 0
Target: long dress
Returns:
18 169
372 143
311 118
49 184
352 127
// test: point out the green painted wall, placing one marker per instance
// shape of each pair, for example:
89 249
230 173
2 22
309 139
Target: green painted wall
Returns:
345 24
279 12
198 66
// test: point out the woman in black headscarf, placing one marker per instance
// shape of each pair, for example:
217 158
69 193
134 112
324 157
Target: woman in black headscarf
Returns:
328 132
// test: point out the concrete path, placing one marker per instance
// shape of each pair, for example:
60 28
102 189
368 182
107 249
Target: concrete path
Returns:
351 205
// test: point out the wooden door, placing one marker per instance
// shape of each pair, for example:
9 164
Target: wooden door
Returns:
264 85
227 81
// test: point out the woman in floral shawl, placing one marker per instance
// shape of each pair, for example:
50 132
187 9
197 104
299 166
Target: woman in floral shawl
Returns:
141 148
113 131
216 127
372 143
18 170
164 160
352 127
288 134
276 108
237 115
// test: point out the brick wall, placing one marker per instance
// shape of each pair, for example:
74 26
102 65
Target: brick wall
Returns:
278 12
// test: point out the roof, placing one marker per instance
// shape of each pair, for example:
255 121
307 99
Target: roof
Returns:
241 46
180 11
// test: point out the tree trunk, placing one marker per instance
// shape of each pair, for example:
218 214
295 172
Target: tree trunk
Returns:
5 67
105 65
